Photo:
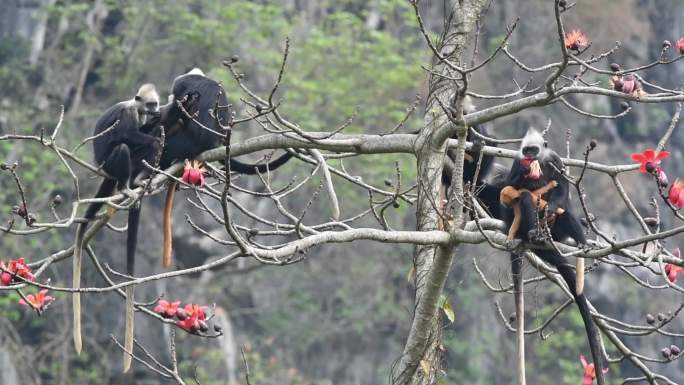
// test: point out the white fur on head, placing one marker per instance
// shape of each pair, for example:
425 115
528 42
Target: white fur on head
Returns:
196 71
148 93
533 139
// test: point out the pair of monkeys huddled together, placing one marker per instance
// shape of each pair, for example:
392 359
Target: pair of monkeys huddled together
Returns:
194 120
534 194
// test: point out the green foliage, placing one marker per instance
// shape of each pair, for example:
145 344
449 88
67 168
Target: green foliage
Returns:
9 306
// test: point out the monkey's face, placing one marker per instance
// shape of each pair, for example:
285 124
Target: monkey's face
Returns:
146 107
147 101
531 152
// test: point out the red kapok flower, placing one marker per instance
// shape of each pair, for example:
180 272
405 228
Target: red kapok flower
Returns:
39 302
671 270
630 85
5 278
193 310
193 173
167 309
195 321
190 324
680 46
676 194
575 40
14 268
649 156
589 371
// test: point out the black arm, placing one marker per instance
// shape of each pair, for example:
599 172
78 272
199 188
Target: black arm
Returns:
560 196
516 177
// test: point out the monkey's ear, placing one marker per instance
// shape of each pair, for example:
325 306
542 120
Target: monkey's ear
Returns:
138 98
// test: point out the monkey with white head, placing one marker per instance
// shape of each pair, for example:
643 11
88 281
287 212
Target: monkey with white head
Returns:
537 192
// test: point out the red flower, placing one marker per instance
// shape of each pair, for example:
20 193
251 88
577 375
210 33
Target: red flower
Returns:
649 158
193 310
167 309
671 270
190 324
680 46
575 40
676 193
14 268
5 278
195 321
38 302
193 173
589 371
630 85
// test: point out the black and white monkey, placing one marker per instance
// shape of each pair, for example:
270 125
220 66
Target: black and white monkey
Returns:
534 167
188 137
486 191
122 141
206 131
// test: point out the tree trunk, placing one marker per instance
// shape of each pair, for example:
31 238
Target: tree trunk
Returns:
420 361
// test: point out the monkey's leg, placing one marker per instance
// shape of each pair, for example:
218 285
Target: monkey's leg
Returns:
145 147
568 275
528 218
516 222
118 165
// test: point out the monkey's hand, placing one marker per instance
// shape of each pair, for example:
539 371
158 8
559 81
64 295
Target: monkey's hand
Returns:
191 102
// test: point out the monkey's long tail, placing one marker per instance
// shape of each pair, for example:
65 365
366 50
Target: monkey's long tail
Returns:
106 188
583 306
516 272
168 224
131 242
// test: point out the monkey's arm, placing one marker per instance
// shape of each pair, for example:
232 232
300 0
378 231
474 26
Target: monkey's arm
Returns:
546 188
516 177
559 198
154 122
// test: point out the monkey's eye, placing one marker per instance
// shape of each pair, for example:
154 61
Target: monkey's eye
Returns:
151 106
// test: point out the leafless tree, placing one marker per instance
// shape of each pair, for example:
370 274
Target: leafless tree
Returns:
442 224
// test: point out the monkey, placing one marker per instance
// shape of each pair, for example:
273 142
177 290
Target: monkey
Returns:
205 133
534 167
120 145
487 191
196 135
